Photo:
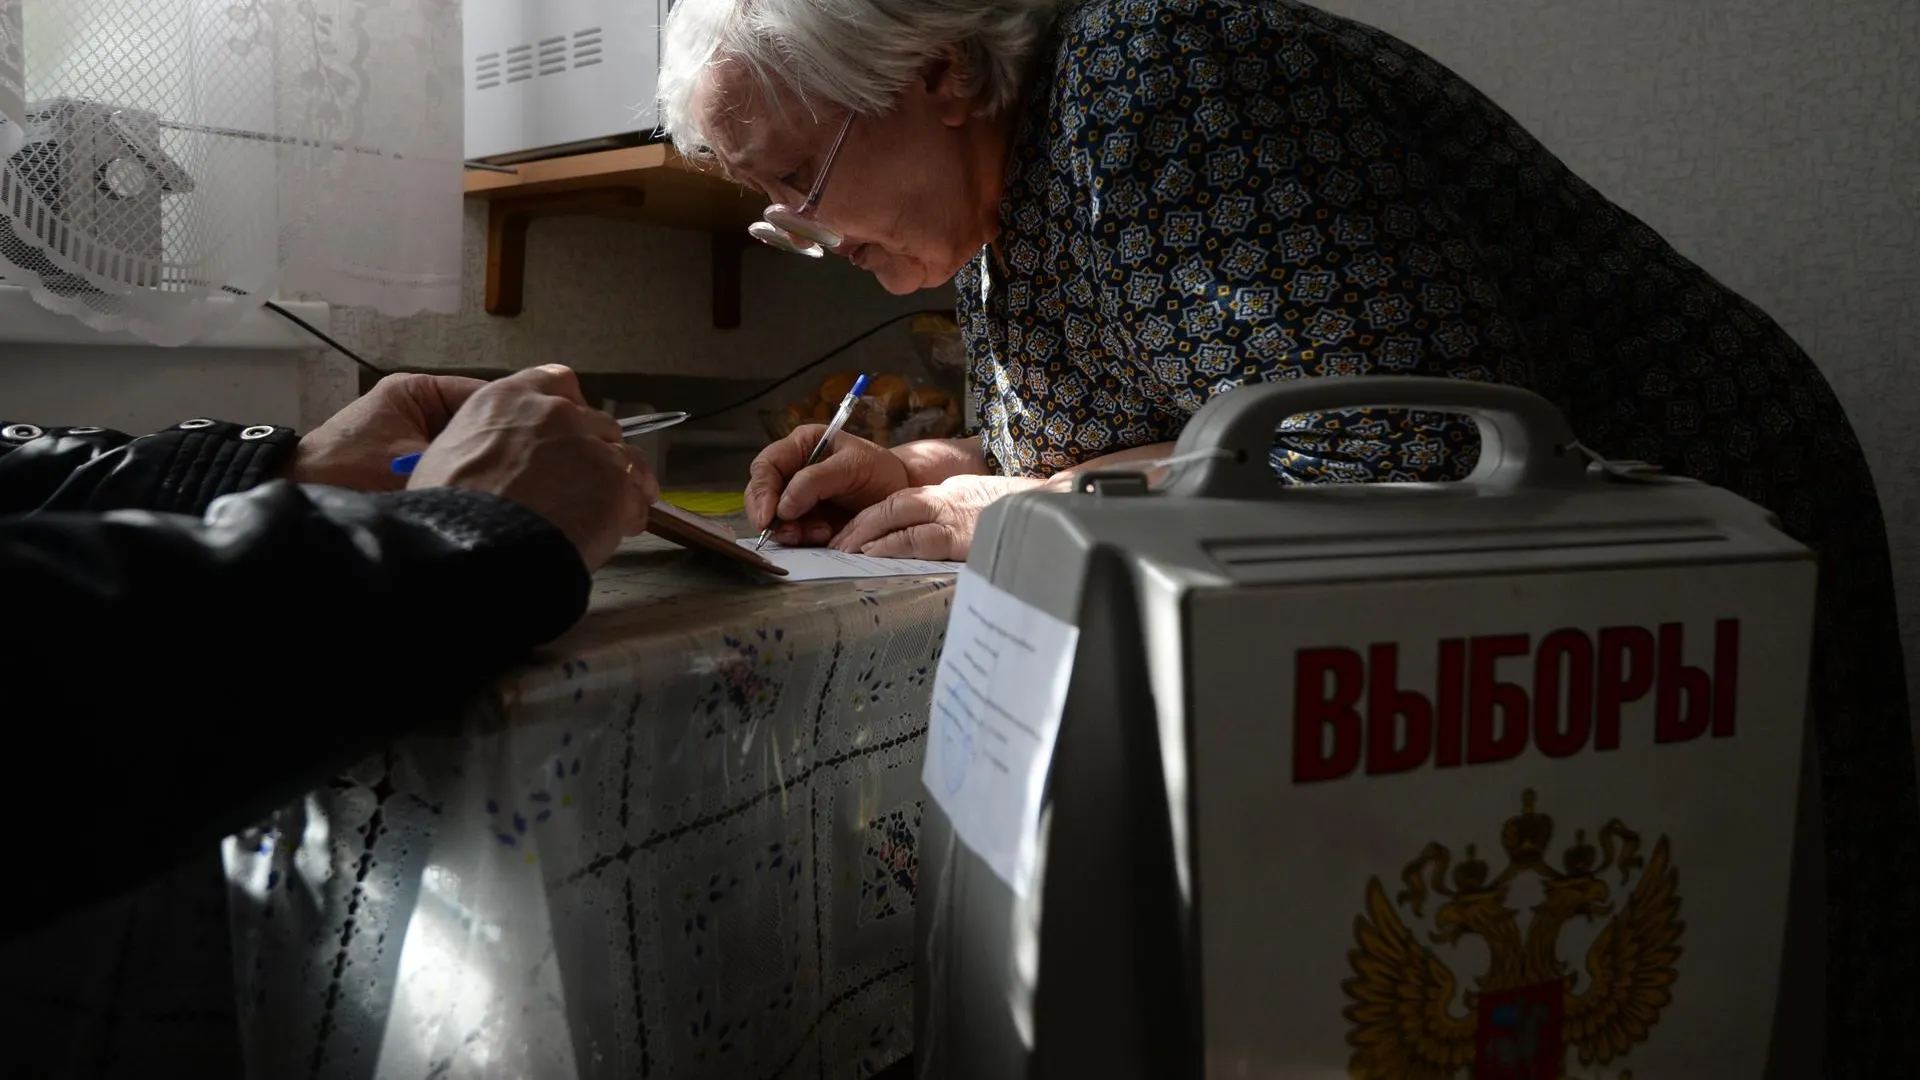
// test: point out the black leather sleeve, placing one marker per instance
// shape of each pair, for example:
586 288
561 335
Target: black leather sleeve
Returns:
180 470
186 674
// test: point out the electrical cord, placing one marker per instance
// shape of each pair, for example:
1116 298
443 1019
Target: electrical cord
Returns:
810 365
317 332
709 414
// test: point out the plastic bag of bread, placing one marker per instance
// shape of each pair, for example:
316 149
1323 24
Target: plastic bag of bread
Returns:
893 410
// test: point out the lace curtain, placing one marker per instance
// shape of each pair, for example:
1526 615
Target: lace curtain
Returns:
171 164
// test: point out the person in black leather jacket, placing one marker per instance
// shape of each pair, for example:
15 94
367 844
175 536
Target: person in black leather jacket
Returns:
203 622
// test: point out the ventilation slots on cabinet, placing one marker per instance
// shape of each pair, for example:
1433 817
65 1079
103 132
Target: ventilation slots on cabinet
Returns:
546 77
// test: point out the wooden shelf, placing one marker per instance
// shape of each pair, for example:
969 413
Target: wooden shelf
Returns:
643 183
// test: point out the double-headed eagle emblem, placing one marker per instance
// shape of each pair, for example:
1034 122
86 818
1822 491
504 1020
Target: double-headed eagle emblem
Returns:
1529 1007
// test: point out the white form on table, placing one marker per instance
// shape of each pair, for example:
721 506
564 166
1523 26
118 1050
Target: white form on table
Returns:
821 564
997 699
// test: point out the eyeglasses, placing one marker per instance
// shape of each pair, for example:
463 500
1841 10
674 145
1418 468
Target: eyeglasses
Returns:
793 230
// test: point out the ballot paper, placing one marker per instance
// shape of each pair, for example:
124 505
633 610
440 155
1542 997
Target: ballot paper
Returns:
998 695
821 564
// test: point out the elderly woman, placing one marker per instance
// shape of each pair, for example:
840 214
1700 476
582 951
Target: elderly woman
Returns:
1144 203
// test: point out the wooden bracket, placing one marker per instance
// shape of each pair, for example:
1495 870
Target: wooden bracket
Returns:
649 183
507 221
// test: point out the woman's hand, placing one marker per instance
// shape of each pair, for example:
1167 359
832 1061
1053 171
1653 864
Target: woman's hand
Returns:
927 522
808 505
355 448
934 519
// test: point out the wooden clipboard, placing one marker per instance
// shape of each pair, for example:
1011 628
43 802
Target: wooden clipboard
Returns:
670 523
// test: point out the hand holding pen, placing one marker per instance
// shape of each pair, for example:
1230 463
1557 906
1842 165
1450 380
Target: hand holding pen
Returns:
630 428
840 418
530 439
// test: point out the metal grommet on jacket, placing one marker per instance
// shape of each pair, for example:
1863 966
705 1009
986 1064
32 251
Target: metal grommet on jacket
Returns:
195 425
257 431
21 433
83 431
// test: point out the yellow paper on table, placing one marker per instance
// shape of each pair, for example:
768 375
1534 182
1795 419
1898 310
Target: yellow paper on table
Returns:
711 503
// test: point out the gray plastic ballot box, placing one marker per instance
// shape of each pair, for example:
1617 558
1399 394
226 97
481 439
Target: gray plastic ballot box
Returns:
1495 779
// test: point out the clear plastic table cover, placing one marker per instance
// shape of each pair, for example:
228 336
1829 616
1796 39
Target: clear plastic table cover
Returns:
680 842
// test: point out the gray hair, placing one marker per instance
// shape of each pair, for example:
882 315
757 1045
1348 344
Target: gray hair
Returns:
854 54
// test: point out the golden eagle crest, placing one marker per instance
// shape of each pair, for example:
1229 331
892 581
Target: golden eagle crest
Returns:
1528 1008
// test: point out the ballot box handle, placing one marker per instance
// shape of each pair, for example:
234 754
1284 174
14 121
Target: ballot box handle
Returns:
1524 441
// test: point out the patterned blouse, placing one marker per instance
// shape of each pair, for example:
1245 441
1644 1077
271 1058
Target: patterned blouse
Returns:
1200 196
1207 193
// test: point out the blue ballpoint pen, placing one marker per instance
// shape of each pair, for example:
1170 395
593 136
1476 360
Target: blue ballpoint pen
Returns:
839 421
631 427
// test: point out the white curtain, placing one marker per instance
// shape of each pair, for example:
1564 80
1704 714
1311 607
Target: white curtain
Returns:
171 164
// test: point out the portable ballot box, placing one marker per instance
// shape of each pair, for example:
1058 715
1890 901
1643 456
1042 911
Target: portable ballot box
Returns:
1495 779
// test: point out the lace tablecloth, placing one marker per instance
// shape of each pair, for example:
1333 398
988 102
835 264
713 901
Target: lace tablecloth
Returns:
679 843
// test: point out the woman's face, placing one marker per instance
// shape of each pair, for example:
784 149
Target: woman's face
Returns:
914 193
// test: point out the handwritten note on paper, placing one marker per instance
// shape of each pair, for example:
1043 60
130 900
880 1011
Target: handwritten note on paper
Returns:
997 699
821 564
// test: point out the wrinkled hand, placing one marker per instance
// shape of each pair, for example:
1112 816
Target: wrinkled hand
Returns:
532 438
812 503
355 448
927 522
